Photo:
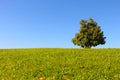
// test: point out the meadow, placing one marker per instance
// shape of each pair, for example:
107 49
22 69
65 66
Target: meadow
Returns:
59 64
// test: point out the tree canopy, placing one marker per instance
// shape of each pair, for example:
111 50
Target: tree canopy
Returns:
90 34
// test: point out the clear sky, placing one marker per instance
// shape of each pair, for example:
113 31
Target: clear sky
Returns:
53 23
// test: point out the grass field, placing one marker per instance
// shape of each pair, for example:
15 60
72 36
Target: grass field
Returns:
60 64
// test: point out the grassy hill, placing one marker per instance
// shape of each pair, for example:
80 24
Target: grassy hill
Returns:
60 64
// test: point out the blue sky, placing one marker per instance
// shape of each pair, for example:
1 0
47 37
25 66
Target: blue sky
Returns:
53 23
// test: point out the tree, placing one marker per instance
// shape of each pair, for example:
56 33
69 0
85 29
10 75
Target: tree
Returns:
90 34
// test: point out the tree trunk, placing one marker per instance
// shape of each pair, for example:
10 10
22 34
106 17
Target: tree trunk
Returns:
88 47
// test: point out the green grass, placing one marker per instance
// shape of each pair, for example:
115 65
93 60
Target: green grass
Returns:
58 64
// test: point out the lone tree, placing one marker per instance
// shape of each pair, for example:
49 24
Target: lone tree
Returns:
90 34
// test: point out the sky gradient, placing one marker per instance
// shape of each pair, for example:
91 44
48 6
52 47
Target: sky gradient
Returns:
53 23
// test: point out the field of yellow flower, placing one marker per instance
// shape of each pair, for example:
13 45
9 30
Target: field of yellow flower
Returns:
59 64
